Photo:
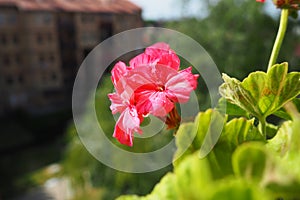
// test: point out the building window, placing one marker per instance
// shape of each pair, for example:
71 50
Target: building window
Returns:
53 76
3 40
15 39
9 80
89 38
8 19
42 61
6 60
49 37
43 18
18 59
86 18
47 18
20 79
39 38
51 58
2 19
106 30
12 19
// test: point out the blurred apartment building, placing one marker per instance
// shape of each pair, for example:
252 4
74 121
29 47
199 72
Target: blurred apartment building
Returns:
43 43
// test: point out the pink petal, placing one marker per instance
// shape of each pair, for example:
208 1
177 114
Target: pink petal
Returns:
151 93
122 98
180 86
118 72
142 60
157 48
158 74
192 78
151 101
123 137
171 60
160 104
127 124
117 104
164 54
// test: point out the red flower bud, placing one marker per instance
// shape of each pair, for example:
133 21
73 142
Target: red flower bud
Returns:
290 4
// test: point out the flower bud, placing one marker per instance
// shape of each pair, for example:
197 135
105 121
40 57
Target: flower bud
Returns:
288 4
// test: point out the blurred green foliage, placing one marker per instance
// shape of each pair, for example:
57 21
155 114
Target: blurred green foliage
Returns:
239 35
87 173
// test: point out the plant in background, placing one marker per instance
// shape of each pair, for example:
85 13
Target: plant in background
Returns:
250 160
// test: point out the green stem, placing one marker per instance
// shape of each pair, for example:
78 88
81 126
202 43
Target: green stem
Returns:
263 127
279 37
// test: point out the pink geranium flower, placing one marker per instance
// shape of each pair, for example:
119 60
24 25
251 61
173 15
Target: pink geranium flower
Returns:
159 87
262 1
151 84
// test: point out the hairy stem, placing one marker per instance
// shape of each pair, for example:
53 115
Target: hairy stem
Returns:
263 127
279 37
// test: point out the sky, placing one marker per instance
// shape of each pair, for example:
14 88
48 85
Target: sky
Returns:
169 9
172 9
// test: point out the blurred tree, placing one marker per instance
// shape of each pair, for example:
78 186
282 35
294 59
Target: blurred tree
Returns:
238 34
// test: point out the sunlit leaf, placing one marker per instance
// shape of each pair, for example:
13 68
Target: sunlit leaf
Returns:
236 132
249 161
254 163
202 134
165 189
281 142
130 197
230 189
184 138
240 130
193 177
229 108
282 112
261 94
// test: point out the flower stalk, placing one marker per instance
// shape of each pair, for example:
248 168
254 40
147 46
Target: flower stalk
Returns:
279 37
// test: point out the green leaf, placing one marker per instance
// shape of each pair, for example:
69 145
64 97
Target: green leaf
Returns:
236 132
271 130
209 126
184 138
190 137
287 139
193 177
282 112
202 134
225 106
253 162
281 142
292 157
230 189
164 189
240 130
261 94
130 197
249 161
296 102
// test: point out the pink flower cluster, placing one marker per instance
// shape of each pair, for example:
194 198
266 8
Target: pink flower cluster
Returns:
262 1
151 84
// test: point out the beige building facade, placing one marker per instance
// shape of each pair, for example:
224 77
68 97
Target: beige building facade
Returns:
43 42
